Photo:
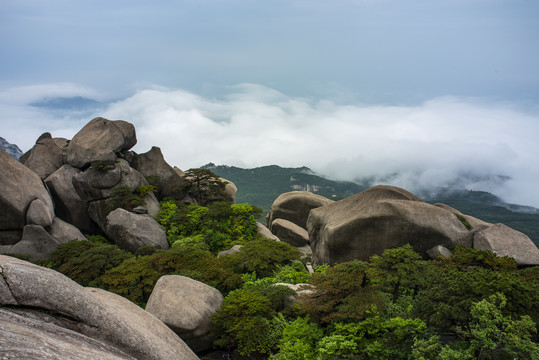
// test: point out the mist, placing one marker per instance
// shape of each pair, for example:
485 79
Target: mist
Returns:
446 141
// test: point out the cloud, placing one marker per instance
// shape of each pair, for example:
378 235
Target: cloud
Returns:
446 141
438 143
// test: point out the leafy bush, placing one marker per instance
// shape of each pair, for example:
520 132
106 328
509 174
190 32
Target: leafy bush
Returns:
122 197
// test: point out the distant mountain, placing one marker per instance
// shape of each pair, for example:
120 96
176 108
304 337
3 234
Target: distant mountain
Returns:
11 149
67 103
261 186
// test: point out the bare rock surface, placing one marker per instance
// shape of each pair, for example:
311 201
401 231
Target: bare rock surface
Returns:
103 316
45 157
505 241
38 213
265 232
20 187
290 233
185 305
100 140
64 232
233 250
380 218
130 231
36 242
49 341
153 166
295 206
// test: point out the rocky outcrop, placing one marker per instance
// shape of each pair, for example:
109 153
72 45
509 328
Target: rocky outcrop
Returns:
230 190
233 250
97 314
290 233
265 232
36 242
70 206
20 188
295 206
64 232
99 141
45 157
130 231
157 171
505 241
379 218
185 305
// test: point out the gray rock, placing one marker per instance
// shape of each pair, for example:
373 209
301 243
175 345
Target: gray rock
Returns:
10 237
38 213
295 206
100 140
36 242
439 251
289 232
130 231
230 190
45 157
476 224
380 218
97 210
49 341
505 241
265 232
140 210
64 232
300 289
20 186
185 305
95 184
233 250
153 166
70 206
95 313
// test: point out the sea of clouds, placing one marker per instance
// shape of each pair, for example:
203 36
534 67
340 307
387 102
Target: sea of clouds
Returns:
445 141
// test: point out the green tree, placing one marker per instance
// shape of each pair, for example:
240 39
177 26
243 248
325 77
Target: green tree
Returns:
203 186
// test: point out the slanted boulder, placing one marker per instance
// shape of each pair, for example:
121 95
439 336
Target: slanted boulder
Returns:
233 250
38 213
36 242
64 232
100 140
21 187
70 206
230 190
130 231
45 157
504 241
157 171
103 316
380 218
290 233
265 232
185 305
295 206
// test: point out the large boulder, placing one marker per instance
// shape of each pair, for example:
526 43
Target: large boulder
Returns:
295 206
99 141
265 232
95 313
290 233
157 171
185 305
230 190
69 205
20 187
64 232
130 231
45 157
505 241
49 341
379 218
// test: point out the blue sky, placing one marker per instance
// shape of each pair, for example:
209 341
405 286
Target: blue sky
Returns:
427 88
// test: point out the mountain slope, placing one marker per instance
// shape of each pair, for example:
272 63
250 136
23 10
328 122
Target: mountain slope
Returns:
11 149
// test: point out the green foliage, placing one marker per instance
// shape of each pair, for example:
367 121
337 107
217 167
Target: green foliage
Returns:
85 261
102 166
203 186
220 225
136 277
262 256
122 197
299 340
98 239
463 220
342 292
144 190
465 258
245 317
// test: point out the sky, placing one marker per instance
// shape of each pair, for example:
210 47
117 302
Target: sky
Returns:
417 93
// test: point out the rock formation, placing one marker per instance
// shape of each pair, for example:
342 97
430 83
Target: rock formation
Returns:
295 206
185 306
104 317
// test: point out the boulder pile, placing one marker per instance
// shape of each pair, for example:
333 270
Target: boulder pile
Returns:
385 217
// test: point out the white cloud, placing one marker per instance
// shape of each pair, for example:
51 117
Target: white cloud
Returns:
440 142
